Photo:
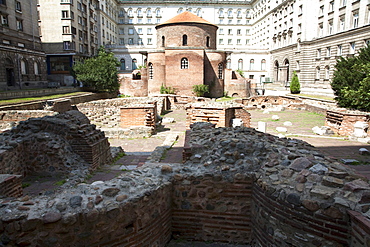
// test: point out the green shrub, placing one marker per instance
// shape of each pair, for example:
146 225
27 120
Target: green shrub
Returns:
167 90
295 86
200 90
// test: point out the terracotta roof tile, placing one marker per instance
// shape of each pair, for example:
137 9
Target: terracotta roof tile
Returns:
186 17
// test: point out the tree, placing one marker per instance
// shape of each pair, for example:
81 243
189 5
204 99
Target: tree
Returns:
351 81
295 86
99 72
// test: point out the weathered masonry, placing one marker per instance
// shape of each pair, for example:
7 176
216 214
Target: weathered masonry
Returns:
238 185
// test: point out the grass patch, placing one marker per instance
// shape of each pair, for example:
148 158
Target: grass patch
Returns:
315 96
25 185
61 182
226 98
24 100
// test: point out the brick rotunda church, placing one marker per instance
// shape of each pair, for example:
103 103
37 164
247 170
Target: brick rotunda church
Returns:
186 55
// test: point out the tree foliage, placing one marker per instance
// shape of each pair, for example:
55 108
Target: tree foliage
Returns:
351 81
99 72
295 86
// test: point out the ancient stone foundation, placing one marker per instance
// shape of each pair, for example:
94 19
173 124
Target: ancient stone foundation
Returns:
238 186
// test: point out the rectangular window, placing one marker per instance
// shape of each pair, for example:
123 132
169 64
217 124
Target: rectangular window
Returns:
247 32
140 31
158 21
149 20
130 31
4 20
121 41
221 32
220 41
65 14
328 52
67 45
149 41
19 24
121 31
230 32
247 41
149 31
140 20
130 41
140 41
340 50
66 30
318 53
342 23
355 19
239 32
352 47
3 2
331 6
343 3
229 41
330 27
18 6
238 42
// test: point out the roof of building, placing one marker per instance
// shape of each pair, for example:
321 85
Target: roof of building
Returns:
186 17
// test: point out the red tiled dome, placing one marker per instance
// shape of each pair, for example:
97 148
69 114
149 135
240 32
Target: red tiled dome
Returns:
186 17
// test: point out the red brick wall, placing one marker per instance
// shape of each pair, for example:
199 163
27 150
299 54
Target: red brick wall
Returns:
212 209
196 33
136 88
343 124
184 79
10 185
360 229
239 87
216 85
159 72
138 116
272 216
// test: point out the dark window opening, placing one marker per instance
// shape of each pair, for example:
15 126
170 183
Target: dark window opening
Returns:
150 71
184 63
163 41
208 41
220 70
184 40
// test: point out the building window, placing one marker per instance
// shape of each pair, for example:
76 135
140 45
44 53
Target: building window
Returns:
4 20
340 50
198 13
238 31
221 13
134 64
230 13
342 23
321 30
19 24
238 41
149 31
66 30
263 64
18 6
139 20
163 41
130 31
150 71
330 27
251 64
184 63
228 63
140 41
121 31
180 11
328 51
355 19
352 48
331 6
36 68
208 41
158 13
123 64
221 41
149 41
230 32
318 53
139 13
317 73
220 70
240 64
229 41
184 40
343 3
65 14
130 41
140 31
3 2
23 67
121 41
149 13
221 31
327 72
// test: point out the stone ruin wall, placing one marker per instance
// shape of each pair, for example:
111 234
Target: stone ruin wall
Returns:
343 123
53 145
221 115
9 119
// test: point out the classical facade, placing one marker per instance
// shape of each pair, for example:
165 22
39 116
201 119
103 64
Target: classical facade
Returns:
186 55
22 61
266 39
72 30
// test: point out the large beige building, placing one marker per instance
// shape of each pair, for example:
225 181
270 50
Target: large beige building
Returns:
266 39
22 61
72 30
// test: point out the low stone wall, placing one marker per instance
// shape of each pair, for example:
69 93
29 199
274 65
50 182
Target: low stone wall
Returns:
107 113
9 119
36 93
342 123
138 115
10 185
219 114
53 144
